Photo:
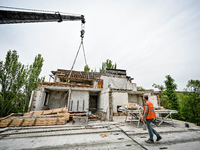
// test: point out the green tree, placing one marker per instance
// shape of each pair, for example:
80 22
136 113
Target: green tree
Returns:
86 68
190 102
140 88
17 82
12 75
171 93
160 87
163 98
169 98
107 64
32 77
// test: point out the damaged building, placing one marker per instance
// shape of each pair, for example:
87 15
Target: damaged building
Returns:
86 91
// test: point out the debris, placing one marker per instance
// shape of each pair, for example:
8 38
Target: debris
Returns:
104 135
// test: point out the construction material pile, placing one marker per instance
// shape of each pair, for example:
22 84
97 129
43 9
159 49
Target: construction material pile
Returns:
57 116
132 106
76 74
64 84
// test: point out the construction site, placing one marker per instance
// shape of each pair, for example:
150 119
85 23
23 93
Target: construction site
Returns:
89 110
92 111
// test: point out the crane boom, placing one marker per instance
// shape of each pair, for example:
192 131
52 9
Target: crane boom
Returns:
10 17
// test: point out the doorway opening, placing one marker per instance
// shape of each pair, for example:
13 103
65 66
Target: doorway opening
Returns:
93 102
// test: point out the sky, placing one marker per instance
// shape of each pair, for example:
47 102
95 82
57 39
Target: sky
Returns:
148 38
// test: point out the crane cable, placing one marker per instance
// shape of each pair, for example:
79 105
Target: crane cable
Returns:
81 44
82 32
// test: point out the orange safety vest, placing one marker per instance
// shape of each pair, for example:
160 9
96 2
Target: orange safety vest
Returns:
151 114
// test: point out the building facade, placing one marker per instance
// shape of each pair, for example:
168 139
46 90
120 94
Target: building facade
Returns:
86 91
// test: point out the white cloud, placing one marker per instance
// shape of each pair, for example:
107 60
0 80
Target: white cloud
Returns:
150 39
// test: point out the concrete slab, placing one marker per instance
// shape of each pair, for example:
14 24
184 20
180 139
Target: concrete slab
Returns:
119 135
89 141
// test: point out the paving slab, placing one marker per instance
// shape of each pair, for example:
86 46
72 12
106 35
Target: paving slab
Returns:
171 140
113 140
119 135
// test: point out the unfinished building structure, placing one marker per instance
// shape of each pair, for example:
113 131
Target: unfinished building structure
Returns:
86 91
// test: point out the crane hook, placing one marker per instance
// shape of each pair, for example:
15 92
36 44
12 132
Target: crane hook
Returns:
82 33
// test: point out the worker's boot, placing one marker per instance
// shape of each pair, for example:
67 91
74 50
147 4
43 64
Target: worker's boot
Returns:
158 138
149 141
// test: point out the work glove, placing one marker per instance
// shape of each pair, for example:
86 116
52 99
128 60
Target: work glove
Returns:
142 119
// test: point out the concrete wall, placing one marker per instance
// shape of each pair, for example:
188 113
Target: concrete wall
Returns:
154 100
135 98
104 101
132 98
95 84
40 96
56 98
119 99
140 103
79 95
131 86
118 83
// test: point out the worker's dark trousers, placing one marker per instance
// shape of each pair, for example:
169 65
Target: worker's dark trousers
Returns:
150 129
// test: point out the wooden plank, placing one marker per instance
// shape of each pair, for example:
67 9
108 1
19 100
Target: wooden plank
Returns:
27 114
60 110
46 112
7 116
61 121
16 123
45 121
67 115
5 123
37 113
28 122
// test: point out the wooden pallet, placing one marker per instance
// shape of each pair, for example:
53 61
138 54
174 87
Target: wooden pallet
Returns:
16 123
45 121
37 118
28 122
28 114
5 123
37 113
47 112
61 121
119 114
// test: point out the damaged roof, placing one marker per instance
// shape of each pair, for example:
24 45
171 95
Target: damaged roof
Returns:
78 75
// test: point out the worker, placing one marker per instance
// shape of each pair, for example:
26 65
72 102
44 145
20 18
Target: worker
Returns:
99 83
149 115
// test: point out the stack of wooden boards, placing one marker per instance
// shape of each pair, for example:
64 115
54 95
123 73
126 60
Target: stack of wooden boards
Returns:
77 74
64 84
57 116
132 106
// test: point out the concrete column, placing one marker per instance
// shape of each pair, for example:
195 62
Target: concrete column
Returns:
110 106
69 100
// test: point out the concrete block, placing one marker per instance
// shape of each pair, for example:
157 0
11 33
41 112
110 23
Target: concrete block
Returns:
80 120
